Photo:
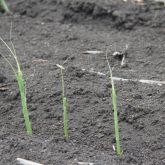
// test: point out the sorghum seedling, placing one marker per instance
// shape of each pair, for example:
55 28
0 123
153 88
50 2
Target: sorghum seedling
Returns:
21 83
114 103
65 104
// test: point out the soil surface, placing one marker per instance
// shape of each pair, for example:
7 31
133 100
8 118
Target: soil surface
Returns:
50 32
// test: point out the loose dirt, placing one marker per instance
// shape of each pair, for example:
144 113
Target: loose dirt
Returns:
46 33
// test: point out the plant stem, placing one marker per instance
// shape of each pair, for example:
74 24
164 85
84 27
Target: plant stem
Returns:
62 84
4 6
65 107
22 90
114 102
21 84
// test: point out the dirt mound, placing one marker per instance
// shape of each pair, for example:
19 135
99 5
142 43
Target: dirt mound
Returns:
50 32
118 14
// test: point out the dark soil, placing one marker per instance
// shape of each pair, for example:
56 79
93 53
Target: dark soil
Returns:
46 33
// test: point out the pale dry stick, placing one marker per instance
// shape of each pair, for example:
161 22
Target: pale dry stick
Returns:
76 162
93 52
85 163
151 82
26 162
123 62
39 61
140 2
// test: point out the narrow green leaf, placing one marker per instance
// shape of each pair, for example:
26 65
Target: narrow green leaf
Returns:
114 103
22 90
65 104
65 117
4 6
21 84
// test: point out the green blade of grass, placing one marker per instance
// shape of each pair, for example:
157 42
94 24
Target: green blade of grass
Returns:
114 103
21 85
4 6
65 116
22 90
65 104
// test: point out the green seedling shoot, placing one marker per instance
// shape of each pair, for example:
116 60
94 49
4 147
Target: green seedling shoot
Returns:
4 6
65 104
21 83
114 103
